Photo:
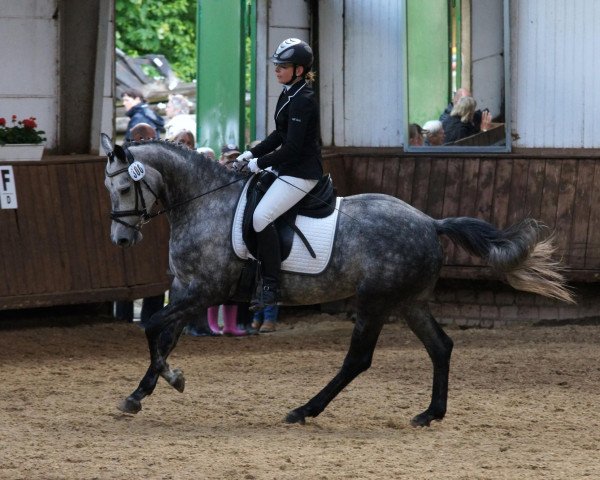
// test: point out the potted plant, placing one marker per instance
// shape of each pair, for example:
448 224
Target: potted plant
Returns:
21 140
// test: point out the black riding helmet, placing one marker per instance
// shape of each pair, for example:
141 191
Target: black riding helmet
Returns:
296 52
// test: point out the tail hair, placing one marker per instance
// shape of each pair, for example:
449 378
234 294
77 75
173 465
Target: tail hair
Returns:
518 252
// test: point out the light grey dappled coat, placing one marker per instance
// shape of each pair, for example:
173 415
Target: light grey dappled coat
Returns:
386 253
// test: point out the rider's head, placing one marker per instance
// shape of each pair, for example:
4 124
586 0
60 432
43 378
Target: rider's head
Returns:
295 53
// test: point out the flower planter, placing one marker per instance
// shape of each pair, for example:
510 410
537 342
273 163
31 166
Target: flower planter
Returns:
21 152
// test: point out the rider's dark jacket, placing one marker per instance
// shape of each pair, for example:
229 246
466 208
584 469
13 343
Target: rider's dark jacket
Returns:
297 132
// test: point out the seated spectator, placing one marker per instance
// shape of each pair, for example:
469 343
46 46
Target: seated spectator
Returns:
415 135
434 133
479 117
460 122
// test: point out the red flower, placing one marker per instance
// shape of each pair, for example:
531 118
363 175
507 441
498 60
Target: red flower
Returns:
2 122
29 123
14 117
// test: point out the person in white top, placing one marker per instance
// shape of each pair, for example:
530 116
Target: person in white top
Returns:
178 113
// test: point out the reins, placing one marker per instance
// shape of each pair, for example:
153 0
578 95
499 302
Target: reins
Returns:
179 204
145 215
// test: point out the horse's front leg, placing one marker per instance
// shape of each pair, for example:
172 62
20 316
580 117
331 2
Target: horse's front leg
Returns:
166 343
163 332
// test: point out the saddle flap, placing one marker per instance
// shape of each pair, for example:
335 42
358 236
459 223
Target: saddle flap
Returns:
318 203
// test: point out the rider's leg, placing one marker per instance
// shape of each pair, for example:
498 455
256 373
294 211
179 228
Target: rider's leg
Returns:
280 197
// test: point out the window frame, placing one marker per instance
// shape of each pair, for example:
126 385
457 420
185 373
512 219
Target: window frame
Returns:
507 148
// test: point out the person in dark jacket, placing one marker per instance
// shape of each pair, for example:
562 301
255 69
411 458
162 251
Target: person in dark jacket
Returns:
460 122
292 152
138 112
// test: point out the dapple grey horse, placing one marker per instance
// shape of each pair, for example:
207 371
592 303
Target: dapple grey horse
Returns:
386 253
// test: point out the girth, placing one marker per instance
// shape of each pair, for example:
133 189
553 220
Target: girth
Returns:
318 203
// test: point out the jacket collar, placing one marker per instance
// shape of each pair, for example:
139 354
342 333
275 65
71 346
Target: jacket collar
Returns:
294 89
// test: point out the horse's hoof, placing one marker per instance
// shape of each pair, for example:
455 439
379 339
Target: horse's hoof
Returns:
295 416
177 380
424 419
130 405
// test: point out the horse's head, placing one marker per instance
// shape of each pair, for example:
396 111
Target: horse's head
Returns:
133 187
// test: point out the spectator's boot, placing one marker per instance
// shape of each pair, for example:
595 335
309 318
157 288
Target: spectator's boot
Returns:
230 327
213 319
270 263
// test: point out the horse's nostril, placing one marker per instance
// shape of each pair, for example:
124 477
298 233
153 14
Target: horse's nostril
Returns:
122 242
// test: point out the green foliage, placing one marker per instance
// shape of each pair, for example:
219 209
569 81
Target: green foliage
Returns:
167 28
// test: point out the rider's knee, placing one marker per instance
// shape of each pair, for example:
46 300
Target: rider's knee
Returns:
260 221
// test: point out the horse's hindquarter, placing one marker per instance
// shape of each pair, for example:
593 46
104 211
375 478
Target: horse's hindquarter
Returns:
382 245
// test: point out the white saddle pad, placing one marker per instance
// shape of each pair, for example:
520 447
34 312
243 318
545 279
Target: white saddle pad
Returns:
320 233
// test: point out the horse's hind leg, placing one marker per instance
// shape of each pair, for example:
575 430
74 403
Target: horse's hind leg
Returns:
439 347
364 338
164 342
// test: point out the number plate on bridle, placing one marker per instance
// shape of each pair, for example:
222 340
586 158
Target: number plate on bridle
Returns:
136 171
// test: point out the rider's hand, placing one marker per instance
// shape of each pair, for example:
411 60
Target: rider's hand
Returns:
239 165
253 166
247 155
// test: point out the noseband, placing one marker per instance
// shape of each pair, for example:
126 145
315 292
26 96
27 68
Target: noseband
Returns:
143 213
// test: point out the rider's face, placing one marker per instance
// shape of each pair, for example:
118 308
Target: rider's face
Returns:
285 71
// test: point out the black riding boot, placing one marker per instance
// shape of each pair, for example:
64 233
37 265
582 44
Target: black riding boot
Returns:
269 255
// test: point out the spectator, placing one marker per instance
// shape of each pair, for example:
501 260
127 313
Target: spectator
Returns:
138 112
178 113
229 153
415 135
434 133
479 117
460 122
186 138
207 152
143 131
264 320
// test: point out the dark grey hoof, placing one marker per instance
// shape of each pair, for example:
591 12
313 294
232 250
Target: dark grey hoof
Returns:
424 419
295 416
178 380
130 405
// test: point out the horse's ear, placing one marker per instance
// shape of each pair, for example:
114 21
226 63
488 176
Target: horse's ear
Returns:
120 153
106 145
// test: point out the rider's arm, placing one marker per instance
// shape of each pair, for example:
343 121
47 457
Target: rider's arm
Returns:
267 145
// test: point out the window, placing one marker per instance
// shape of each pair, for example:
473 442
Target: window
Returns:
458 48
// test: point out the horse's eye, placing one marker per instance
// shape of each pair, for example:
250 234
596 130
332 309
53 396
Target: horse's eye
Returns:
125 190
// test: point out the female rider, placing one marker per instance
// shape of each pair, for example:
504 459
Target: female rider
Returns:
297 164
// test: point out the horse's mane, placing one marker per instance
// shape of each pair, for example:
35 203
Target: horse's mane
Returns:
182 150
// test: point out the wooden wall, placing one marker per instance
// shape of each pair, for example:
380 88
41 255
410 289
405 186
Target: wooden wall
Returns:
561 191
55 248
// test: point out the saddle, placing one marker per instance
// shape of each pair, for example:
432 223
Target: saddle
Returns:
319 203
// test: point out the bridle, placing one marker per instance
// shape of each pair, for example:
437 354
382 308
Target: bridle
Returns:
143 213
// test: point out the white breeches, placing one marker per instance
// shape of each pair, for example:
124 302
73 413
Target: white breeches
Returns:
280 197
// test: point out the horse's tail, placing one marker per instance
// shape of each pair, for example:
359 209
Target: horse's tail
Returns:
518 251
